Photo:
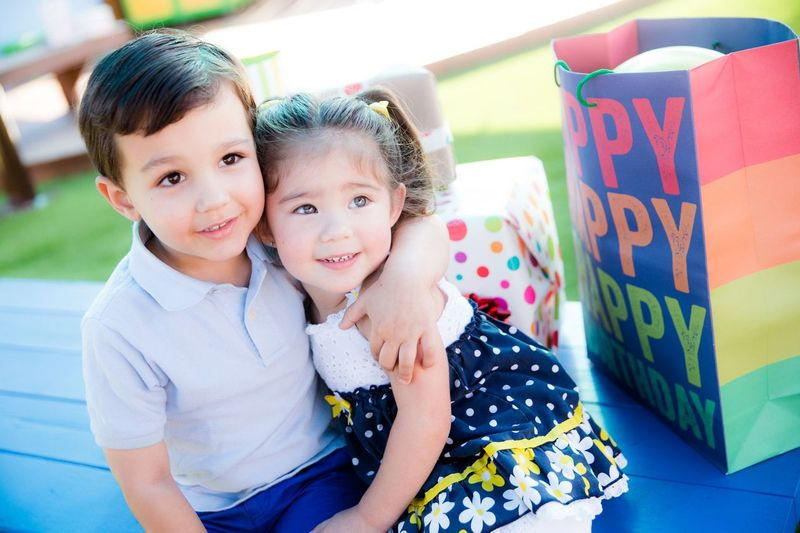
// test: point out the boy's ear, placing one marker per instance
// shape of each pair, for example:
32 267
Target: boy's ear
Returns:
398 202
117 198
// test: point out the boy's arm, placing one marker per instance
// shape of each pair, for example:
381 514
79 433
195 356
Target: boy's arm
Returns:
415 443
151 493
399 304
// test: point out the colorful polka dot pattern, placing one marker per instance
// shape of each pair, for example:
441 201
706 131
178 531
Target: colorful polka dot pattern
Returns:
508 249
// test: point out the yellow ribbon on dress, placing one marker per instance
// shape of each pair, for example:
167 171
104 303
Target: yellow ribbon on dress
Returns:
484 463
339 405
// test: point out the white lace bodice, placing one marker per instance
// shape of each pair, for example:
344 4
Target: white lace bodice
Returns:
343 358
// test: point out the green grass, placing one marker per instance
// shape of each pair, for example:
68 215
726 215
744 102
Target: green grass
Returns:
75 236
504 108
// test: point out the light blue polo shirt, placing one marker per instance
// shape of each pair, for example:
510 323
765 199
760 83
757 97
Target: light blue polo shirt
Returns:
222 374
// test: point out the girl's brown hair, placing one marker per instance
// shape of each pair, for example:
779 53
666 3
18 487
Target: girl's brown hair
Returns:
283 125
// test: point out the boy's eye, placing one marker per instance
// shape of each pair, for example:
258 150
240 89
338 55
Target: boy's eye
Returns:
305 209
230 159
359 201
171 179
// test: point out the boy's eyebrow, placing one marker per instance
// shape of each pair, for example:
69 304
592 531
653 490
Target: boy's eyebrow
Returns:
169 158
236 142
157 162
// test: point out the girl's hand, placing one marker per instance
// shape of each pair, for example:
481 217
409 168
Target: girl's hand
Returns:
404 304
402 319
348 521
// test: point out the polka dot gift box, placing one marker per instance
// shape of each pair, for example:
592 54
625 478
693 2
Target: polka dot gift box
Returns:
503 241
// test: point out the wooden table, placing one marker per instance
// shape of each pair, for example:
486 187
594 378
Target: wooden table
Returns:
54 478
66 62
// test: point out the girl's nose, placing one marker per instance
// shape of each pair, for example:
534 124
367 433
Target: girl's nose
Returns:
336 228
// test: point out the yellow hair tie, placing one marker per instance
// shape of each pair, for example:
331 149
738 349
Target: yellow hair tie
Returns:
381 108
270 103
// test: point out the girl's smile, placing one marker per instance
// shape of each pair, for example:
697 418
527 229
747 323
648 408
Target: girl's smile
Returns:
339 261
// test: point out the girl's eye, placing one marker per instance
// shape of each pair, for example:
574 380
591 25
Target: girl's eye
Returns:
359 201
305 209
171 179
230 159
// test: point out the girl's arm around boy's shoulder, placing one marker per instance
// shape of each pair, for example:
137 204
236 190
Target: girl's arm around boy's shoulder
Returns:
415 443
400 307
151 493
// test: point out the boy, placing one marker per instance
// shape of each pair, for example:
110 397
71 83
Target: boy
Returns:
199 383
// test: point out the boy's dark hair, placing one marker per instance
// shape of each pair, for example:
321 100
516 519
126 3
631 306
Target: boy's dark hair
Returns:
150 83
284 124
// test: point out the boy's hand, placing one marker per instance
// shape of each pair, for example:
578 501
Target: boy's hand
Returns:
348 521
403 317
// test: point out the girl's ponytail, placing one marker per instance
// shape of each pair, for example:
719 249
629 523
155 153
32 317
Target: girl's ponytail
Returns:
412 168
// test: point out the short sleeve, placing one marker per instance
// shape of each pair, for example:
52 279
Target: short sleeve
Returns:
125 396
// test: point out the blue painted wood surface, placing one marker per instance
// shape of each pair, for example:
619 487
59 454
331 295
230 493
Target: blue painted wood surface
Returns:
54 478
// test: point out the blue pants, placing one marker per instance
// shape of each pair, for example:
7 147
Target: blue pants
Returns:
294 505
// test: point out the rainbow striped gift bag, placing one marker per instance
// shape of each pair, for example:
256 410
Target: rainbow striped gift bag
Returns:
685 202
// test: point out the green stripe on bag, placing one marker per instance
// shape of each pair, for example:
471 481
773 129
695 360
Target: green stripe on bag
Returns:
761 409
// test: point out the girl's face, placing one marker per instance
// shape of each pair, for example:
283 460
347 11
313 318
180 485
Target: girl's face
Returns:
331 216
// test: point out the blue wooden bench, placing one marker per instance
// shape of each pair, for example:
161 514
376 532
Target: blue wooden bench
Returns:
54 478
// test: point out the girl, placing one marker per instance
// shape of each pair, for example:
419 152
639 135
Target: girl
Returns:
493 437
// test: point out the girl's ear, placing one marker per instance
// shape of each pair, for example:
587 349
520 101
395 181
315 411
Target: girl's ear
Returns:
117 198
398 202
263 233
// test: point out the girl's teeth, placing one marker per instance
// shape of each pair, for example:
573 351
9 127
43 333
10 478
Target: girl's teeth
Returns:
216 227
339 259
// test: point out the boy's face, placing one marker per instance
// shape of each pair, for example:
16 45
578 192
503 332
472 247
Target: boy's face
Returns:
197 185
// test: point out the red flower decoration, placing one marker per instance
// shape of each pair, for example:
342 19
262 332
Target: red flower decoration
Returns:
490 306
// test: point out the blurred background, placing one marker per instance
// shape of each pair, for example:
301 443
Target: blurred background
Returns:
492 63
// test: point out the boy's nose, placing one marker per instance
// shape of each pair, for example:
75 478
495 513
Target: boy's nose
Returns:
213 195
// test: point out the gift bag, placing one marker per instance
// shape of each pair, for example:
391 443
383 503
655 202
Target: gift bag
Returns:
503 242
685 202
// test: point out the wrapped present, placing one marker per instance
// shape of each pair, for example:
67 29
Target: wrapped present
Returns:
503 241
684 189
265 75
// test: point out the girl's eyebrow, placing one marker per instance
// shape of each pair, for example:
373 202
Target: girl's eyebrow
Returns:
293 195
362 185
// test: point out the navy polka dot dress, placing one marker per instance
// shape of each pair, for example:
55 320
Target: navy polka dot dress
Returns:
521 445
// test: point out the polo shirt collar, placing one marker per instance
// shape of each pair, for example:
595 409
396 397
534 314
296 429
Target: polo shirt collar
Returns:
173 290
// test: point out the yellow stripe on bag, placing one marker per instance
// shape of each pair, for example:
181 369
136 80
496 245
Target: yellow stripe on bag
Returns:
756 321
492 448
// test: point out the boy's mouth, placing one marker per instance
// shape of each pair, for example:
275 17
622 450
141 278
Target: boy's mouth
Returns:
218 227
